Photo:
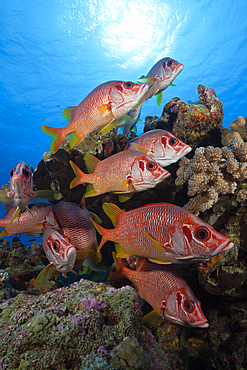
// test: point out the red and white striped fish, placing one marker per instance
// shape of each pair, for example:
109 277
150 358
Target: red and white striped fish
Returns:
161 145
163 233
98 112
160 77
166 291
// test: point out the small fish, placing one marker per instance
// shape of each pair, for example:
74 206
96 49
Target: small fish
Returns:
166 291
128 122
163 233
27 223
98 112
160 145
160 77
125 172
21 190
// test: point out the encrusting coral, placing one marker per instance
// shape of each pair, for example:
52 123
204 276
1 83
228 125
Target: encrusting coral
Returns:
211 172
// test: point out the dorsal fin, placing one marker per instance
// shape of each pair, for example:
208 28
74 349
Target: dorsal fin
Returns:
91 162
112 211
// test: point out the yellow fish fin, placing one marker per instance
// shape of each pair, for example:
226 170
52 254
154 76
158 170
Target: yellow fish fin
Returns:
124 197
56 273
84 270
74 140
31 213
83 254
139 147
17 211
74 272
149 80
65 275
4 233
57 133
80 176
103 108
153 317
96 218
91 162
135 128
100 230
44 276
120 252
171 84
82 202
158 245
159 98
90 192
107 127
112 211
68 113
159 261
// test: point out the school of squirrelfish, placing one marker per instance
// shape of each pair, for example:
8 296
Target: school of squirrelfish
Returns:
158 234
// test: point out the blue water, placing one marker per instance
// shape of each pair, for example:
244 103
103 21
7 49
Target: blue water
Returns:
53 53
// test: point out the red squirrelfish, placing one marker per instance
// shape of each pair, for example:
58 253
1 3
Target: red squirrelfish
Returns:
98 112
163 233
161 145
125 172
166 291
160 77
33 224
21 190
61 254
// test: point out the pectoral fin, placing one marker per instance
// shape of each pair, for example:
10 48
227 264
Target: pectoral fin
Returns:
153 317
139 147
17 211
159 98
107 127
44 276
161 247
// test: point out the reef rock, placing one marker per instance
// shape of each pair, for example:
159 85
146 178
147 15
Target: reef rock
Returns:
83 326
195 123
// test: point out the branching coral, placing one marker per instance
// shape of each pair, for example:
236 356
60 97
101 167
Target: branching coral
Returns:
211 172
237 134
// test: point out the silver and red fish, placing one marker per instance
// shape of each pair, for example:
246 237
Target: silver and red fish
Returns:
21 190
163 233
160 145
160 77
166 291
98 112
33 223
125 173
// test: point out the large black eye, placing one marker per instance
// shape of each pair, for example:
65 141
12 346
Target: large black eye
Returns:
11 173
189 306
202 234
128 84
55 246
170 63
172 141
151 166
25 173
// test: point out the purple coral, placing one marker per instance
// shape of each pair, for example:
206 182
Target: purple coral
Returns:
90 302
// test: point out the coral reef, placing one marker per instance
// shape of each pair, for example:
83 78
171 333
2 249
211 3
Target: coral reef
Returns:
197 123
72 323
212 172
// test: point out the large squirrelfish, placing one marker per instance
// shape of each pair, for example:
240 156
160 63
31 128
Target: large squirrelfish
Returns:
125 172
160 77
99 112
166 291
163 233
161 145
34 223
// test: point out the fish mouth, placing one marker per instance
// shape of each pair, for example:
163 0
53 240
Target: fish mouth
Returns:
179 69
200 324
225 246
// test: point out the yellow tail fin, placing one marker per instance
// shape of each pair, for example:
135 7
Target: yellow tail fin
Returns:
57 133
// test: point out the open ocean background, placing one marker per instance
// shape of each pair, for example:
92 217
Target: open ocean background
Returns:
53 53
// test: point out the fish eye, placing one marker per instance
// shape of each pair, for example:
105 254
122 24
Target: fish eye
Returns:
128 84
151 166
170 62
11 173
202 233
25 172
172 141
55 246
189 306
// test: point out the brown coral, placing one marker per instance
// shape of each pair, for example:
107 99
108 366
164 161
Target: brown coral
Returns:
211 172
